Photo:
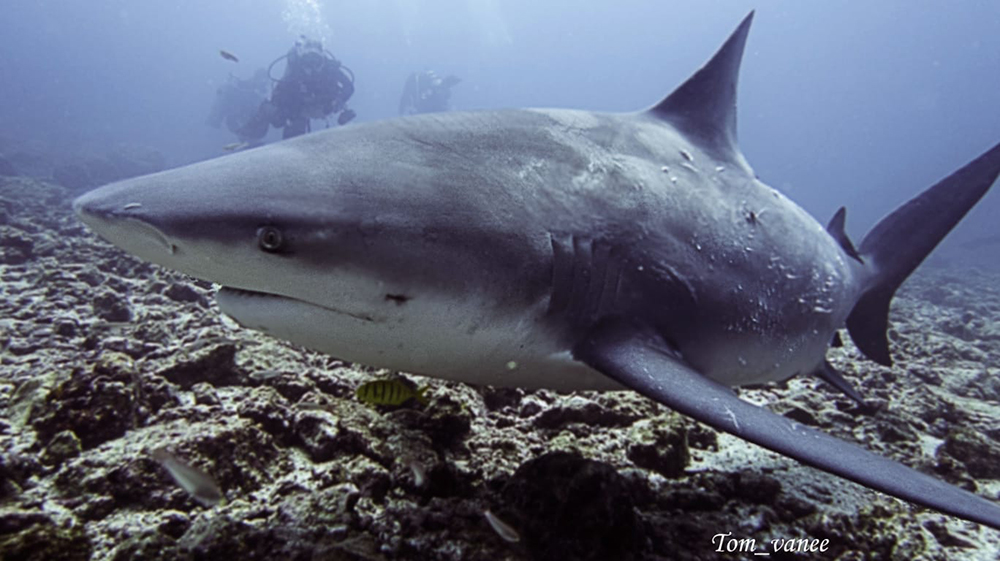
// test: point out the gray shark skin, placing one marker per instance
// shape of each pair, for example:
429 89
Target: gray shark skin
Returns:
554 248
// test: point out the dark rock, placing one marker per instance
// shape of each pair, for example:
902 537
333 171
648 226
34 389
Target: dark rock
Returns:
63 446
16 247
321 437
800 415
447 422
443 480
324 437
530 409
711 493
979 455
895 430
757 488
65 327
184 293
701 437
16 471
270 411
496 399
33 536
91 276
292 387
217 367
567 507
174 524
205 394
667 454
791 508
148 544
224 537
112 307
944 536
581 410
97 406
954 472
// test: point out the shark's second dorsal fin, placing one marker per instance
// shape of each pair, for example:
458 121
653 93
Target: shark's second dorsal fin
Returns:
836 229
704 107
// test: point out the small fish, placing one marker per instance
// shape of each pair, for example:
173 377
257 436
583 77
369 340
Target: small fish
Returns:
419 474
261 375
390 392
197 483
503 529
234 146
312 406
228 55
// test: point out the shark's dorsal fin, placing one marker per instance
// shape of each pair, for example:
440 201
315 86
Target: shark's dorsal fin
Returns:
704 107
836 229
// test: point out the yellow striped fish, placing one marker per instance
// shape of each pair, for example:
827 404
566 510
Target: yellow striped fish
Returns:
392 392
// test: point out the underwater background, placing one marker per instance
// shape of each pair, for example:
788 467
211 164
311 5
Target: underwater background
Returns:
840 103
106 360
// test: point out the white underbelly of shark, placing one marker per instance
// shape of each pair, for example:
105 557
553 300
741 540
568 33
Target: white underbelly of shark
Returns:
428 335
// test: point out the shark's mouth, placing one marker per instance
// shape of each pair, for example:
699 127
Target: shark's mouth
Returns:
234 301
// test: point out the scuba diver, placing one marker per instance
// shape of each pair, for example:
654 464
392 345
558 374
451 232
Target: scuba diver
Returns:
314 85
237 101
426 92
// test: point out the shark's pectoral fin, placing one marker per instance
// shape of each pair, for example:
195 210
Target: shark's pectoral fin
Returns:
638 358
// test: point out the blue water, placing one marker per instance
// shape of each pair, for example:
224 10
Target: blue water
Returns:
856 103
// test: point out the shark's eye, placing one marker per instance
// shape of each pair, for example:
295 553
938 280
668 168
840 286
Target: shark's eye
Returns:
270 239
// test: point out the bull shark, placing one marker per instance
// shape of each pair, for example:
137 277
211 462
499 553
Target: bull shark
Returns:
551 248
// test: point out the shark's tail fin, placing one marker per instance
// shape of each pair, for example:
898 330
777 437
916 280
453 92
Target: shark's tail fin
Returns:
901 241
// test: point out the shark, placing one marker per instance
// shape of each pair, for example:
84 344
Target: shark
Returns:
553 248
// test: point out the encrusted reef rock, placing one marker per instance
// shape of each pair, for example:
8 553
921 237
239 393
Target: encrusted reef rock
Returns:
979 453
35 536
569 507
108 363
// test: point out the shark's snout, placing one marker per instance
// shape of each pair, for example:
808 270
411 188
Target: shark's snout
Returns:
122 222
88 207
105 203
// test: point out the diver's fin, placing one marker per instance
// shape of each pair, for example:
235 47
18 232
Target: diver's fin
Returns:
901 240
831 376
836 229
639 359
704 107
